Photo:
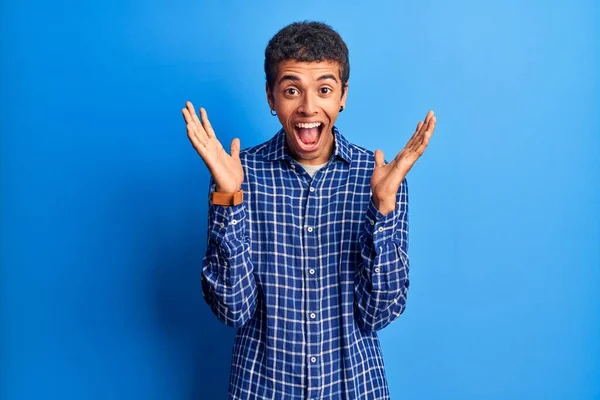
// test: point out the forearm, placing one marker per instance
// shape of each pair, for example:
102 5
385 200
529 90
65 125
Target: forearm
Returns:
382 282
228 280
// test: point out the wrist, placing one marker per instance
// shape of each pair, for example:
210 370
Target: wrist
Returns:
385 205
227 189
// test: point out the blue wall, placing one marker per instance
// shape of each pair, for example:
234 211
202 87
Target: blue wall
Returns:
103 200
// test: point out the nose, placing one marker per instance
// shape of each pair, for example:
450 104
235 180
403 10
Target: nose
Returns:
308 106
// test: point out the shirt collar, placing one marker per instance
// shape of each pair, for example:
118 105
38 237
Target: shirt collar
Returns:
276 147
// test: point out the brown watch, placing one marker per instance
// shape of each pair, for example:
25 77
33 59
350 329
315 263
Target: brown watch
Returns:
227 198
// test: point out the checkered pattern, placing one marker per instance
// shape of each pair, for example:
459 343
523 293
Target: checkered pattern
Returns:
308 270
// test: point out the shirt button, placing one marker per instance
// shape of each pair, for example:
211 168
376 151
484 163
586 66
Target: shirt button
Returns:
372 222
380 229
313 315
312 189
311 271
310 229
235 222
222 225
313 359
377 270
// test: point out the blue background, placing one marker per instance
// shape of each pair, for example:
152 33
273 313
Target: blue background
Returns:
103 200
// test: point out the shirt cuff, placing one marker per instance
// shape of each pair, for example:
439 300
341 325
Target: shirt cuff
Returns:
382 228
228 222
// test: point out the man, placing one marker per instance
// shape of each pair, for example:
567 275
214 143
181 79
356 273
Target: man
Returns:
307 247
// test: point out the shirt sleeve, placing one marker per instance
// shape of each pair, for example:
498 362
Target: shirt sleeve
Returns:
228 284
382 276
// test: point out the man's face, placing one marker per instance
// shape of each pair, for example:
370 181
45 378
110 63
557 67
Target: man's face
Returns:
307 97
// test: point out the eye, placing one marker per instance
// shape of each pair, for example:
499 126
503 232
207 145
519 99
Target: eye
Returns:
291 91
325 90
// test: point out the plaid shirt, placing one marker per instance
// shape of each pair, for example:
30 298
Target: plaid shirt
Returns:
308 270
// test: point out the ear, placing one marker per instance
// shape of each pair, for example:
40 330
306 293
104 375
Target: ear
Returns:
270 98
344 96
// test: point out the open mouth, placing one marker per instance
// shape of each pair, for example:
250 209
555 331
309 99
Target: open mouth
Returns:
308 134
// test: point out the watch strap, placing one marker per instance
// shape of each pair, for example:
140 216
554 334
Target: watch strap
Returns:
227 198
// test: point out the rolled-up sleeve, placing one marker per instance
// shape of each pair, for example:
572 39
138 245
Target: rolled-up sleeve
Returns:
382 282
228 283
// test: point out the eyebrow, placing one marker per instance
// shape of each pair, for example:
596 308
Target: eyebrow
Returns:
327 76
294 78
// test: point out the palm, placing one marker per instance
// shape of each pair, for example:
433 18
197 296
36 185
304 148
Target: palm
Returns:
225 169
387 178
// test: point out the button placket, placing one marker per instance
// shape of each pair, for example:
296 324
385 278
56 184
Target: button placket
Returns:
313 342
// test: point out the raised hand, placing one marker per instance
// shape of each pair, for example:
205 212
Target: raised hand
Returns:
225 169
387 178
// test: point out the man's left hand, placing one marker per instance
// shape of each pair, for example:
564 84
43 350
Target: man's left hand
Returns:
387 178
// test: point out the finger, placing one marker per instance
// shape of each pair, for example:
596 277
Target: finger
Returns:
190 107
206 124
430 130
427 135
428 116
235 149
419 125
415 138
424 128
199 130
379 160
429 127
194 130
199 145
192 126
186 116
197 120
419 131
191 110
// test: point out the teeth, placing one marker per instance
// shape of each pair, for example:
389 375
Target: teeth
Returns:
308 125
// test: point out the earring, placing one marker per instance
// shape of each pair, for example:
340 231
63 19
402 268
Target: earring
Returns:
273 112
341 108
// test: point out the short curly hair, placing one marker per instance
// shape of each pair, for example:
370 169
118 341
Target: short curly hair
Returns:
306 41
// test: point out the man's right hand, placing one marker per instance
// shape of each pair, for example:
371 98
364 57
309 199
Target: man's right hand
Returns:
226 170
